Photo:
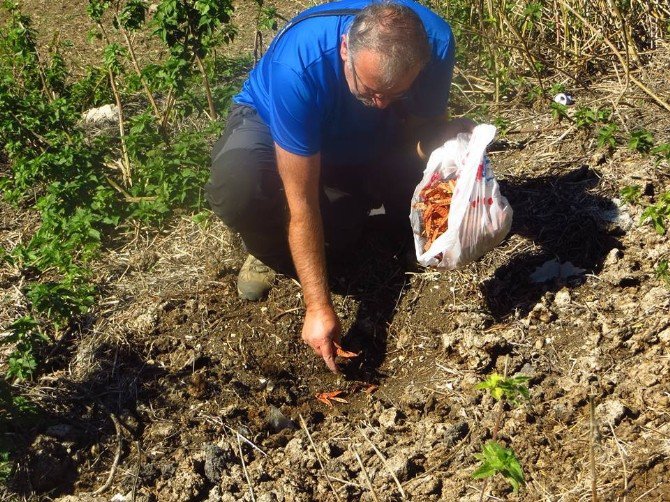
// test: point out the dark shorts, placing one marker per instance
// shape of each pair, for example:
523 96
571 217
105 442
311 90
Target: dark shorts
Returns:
246 192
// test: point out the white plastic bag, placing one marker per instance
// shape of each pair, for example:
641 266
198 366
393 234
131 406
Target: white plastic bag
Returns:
479 217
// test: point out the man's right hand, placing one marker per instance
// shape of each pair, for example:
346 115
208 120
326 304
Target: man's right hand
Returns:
320 329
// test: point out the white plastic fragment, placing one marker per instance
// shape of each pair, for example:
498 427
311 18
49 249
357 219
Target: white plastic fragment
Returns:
563 98
553 270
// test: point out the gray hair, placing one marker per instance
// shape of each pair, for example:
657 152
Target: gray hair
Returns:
393 31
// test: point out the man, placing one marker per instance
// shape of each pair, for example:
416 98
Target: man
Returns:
325 129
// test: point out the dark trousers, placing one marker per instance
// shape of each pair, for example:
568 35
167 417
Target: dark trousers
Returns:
246 192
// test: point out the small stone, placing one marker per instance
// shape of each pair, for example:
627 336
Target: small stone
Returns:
539 343
664 336
562 298
611 411
613 257
388 418
277 421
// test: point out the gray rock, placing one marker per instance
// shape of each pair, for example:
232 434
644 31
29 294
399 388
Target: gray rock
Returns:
277 421
455 433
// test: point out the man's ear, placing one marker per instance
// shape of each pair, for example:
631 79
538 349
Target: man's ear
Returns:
344 49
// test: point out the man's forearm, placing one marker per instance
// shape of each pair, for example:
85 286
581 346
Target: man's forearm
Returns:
305 234
300 176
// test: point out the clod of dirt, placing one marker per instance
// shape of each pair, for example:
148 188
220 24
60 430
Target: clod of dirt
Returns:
216 460
389 418
48 466
187 484
425 486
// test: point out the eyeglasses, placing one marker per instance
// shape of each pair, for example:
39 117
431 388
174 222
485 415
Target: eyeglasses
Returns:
368 95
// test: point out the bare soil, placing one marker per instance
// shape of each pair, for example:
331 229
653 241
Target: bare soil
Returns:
184 392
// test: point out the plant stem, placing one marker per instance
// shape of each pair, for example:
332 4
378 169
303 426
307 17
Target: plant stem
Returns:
122 132
136 66
208 92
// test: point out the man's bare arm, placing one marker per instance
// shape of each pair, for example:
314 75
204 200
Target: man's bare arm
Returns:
300 176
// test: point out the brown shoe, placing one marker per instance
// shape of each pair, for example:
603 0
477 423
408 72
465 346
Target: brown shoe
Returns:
255 279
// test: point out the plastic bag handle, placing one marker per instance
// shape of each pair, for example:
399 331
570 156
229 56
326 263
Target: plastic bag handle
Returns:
481 136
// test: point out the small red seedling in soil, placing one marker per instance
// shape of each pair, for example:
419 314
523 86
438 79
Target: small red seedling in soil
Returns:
327 397
345 353
370 389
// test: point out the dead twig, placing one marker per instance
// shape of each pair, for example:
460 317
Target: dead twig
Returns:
592 454
244 469
282 314
245 440
117 455
623 461
386 465
318 457
138 445
365 474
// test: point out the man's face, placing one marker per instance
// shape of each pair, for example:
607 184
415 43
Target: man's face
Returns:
362 74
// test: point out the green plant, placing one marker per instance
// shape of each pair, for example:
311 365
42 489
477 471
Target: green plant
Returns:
5 466
641 141
662 271
662 152
496 458
25 336
658 213
606 136
499 460
586 117
631 194
510 389
502 124
191 30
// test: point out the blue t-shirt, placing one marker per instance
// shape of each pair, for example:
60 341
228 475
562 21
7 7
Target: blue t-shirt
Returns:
300 91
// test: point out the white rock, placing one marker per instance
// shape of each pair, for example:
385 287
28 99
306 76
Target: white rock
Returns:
388 418
103 114
613 257
611 411
664 336
562 298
